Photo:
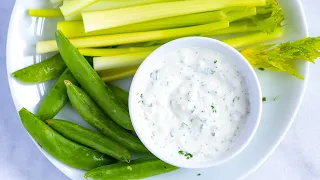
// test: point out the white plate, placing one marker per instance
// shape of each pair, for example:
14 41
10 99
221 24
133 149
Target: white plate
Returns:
277 115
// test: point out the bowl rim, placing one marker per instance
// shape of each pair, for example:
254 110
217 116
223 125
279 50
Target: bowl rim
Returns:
253 85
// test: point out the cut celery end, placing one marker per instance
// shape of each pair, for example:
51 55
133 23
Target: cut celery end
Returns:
48 13
127 38
71 7
120 61
73 29
235 27
97 20
95 52
112 4
116 74
254 38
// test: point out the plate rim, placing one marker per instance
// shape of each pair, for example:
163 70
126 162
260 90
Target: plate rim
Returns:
257 165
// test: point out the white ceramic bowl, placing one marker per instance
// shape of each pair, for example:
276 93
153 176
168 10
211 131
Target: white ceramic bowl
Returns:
152 62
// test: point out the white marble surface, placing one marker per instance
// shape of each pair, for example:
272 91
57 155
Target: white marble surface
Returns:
297 158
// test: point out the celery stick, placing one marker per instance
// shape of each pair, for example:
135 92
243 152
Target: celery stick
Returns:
127 38
115 74
71 7
56 3
114 51
45 13
119 17
235 27
113 4
254 38
120 61
73 29
237 15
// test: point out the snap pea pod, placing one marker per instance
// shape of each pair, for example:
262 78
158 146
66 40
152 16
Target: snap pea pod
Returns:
92 83
68 152
91 113
120 93
90 138
137 169
41 72
56 98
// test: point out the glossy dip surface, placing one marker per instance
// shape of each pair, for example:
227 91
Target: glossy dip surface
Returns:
196 104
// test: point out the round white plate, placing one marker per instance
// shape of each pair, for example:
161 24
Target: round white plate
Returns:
277 115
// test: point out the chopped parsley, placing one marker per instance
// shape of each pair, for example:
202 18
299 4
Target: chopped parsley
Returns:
261 69
198 174
264 99
186 154
213 109
215 61
275 98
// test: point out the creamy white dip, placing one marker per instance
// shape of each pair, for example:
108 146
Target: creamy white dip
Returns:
195 105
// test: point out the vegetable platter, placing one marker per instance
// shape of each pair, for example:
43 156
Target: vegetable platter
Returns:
33 39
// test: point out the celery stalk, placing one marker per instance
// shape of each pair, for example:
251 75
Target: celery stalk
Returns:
254 38
56 3
116 74
127 38
73 29
48 13
114 51
235 27
112 4
120 61
71 7
238 15
119 17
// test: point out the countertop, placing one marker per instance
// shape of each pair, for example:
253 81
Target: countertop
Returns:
297 157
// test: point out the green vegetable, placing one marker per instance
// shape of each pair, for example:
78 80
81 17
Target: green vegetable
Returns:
137 169
92 83
235 27
56 2
56 98
64 150
115 74
127 38
121 94
41 72
97 20
126 60
186 154
112 4
254 38
264 99
90 139
94 116
48 13
73 29
71 7
283 57
243 13
114 51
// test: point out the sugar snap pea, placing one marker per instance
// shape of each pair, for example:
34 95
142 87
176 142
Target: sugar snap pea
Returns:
68 152
56 98
94 116
92 83
41 72
120 93
90 138
137 169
